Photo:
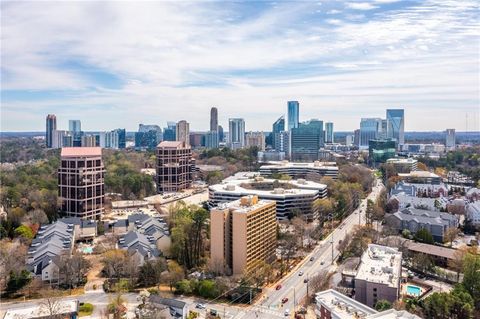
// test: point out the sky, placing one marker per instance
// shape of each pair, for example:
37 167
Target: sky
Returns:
115 64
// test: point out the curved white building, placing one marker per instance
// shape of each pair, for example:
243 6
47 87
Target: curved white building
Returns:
311 171
289 195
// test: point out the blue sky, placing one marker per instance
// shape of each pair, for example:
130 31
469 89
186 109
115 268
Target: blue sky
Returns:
117 64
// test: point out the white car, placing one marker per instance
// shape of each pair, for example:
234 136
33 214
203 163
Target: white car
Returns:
287 312
200 306
300 273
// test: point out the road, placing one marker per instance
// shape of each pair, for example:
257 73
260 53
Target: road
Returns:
293 286
270 304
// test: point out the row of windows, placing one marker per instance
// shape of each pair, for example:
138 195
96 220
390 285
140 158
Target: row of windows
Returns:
81 163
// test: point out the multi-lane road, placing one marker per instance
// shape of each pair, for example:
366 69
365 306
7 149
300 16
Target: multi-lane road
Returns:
270 304
293 286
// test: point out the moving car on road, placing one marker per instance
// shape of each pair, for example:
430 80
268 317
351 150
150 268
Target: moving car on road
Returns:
285 300
278 287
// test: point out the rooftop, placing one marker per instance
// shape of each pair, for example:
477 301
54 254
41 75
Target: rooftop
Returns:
312 165
39 311
380 264
245 204
426 216
233 185
81 151
172 144
435 250
400 160
419 174
342 306
393 314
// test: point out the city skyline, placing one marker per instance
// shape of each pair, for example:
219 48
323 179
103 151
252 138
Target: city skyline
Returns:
341 60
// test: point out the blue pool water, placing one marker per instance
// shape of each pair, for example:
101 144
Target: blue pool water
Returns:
413 290
87 250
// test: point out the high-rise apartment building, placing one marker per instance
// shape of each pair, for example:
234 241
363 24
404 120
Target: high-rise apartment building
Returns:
81 186
75 126
236 137
450 141
57 138
396 125
255 139
221 136
214 119
349 139
211 139
277 127
174 166
293 111
282 142
148 137
89 141
51 126
356 137
306 140
169 133
329 132
243 233
182 132
369 130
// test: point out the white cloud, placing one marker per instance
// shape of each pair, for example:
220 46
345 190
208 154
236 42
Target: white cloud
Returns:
423 57
360 6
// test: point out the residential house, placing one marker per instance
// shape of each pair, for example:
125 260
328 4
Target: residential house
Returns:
414 219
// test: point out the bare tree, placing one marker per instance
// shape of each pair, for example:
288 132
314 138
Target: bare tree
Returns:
450 235
51 303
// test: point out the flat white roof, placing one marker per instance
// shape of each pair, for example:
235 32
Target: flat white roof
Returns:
38 310
402 160
233 185
343 307
380 264
313 165
238 207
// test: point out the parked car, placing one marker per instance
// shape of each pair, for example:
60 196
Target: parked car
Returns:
305 280
287 313
300 273
285 300
200 306
312 258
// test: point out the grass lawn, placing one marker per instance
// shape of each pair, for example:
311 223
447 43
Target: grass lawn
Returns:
85 310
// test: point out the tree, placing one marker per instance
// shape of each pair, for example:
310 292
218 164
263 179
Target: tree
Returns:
24 232
114 263
456 263
117 306
422 262
458 304
188 236
51 303
72 270
150 272
12 260
382 305
175 273
36 216
324 207
369 212
450 234
471 276
424 236
299 226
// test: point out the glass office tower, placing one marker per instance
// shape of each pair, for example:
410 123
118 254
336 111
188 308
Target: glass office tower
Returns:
306 140
236 131
395 125
369 130
293 114
329 132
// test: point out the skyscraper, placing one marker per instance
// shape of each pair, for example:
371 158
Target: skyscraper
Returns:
169 133
306 140
369 130
81 186
450 139
75 126
395 125
214 119
221 137
277 127
293 108
211 139
174 166
50 127
183 132
236 133
329 132
255 139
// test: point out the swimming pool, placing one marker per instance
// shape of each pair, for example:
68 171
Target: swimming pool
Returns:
414 290
87 250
